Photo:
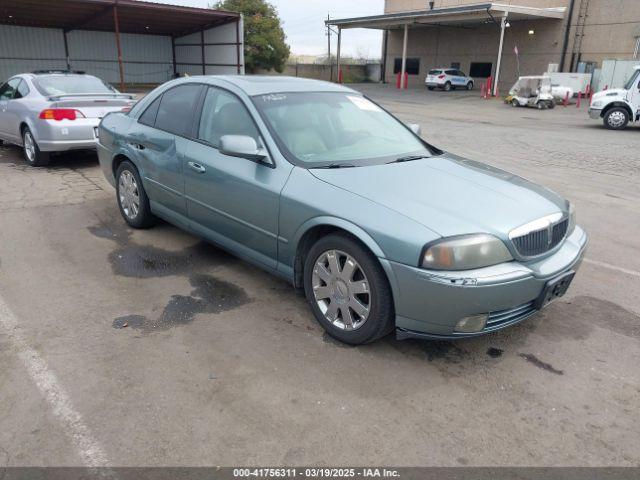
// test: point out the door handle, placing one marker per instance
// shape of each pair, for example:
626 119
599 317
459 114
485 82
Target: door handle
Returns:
196 167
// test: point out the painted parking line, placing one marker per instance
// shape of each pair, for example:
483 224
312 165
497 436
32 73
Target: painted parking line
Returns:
626 271
87 447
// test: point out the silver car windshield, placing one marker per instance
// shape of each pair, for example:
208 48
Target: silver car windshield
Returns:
318 129
71 84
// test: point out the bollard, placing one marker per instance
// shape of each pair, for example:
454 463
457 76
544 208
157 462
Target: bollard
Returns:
579 99
482 91
406 80
340 76
565 102
398 81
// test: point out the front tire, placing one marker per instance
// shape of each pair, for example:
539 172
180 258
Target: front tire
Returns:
132 199
348 290
31 151
447 87
616 118
470 86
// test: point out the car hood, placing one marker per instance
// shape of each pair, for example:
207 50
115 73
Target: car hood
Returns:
612 92
450 195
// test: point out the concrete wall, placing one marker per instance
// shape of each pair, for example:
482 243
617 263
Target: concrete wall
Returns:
610 31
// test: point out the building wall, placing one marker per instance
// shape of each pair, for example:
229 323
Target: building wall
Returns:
610 28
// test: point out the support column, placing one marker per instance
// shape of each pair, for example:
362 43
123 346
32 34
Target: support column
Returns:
204 68
117 27
503 26
338 54
238 44
173 53
66 50
404 57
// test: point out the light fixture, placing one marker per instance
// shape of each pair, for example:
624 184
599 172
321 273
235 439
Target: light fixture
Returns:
507 24
10 16
532 32
147 27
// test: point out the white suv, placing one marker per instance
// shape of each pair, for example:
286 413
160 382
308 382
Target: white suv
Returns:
448 79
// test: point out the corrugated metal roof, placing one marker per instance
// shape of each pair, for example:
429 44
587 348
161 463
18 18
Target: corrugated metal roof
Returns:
133 16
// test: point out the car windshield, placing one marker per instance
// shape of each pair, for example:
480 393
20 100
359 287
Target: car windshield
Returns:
334 129
71 84
632 79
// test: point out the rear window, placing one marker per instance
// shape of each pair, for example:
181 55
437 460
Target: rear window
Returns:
71 84
435 72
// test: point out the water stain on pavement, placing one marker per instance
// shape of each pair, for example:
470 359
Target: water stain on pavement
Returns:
494 352
531 358
210 295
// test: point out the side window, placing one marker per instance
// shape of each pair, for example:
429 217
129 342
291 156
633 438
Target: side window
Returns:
451 72
224 114
22 91
175 113
149 116
8 90
461 73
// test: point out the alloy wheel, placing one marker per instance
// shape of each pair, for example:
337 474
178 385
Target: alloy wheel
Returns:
129 194
341 290
29 146
616 119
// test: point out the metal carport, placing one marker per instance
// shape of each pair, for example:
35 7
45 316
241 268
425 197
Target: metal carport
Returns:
465 15
113 36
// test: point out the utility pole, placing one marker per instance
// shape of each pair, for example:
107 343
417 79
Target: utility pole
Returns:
329 49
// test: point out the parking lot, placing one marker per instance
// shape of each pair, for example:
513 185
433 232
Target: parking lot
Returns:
132 348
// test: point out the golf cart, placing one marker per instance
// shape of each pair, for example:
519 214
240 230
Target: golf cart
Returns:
532 92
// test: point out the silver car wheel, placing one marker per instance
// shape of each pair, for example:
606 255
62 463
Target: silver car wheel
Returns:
129 194
341 290
29 146
616 119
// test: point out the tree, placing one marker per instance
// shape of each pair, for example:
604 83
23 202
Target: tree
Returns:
264 40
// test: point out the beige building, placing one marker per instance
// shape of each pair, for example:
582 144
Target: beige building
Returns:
466 34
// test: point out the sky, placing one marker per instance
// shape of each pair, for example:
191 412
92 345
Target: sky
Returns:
303 23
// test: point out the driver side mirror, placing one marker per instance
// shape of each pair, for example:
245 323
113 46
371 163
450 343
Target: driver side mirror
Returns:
415 128
241 146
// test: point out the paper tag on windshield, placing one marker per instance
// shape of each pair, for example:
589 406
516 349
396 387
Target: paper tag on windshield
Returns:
364 104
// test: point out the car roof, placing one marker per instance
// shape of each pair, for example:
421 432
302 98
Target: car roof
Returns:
265 84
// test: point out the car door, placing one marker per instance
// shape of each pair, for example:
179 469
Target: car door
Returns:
16 111
158 140
463 78
7 91
230 200
458 79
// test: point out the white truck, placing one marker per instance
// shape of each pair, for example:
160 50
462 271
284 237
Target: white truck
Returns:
618 106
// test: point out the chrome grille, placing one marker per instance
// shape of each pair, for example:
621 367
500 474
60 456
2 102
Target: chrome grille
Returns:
505 318
541 240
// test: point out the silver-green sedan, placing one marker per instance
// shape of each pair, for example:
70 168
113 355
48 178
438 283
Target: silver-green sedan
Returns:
316 183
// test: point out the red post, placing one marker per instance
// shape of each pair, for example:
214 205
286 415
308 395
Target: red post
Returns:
489 85
482 91
340 76
406 80
565 102
588 90
497 92
579 100
398 80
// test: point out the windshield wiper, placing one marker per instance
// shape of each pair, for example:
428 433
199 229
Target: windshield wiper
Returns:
409 158
337 165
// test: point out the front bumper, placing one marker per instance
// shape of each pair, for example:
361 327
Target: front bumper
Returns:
429 304
60 136
595 113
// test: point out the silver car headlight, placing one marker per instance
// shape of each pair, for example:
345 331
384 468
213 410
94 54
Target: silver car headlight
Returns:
465 252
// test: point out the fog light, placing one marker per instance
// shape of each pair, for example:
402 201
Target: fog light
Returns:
472 324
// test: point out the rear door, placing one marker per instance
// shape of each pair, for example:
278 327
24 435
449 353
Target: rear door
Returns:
232 201
159 140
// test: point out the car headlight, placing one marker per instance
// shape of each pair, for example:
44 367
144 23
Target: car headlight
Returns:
572 219
465 252
597 104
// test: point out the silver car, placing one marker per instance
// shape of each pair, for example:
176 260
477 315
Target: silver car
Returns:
50 111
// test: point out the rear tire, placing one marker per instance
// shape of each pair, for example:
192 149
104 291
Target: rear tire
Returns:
515 103
343 280
31 151
430 88
616 118
132 199
447 87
